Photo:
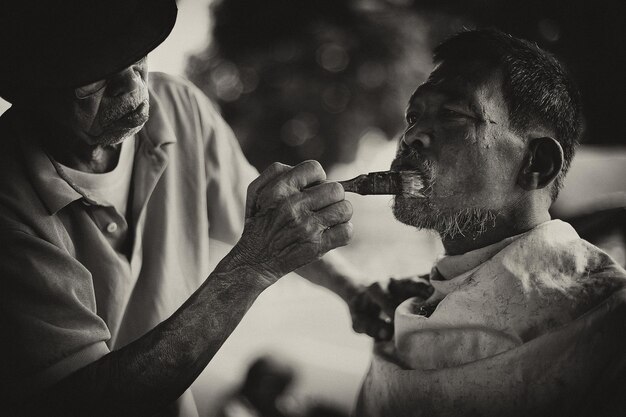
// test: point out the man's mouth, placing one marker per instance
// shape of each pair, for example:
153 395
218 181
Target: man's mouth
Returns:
406 164
132 118
413 162
132 113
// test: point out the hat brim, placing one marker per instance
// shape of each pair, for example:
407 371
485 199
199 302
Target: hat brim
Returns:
84 62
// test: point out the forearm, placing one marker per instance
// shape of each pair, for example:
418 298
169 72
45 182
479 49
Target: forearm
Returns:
336 273
153 371
289 222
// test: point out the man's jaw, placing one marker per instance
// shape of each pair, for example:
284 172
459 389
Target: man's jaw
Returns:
113 137
122 127
130 117
464 223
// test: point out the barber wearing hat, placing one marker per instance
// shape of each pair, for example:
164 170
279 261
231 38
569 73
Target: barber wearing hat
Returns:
111 182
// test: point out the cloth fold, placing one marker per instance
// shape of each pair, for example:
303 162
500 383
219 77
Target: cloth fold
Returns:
504 295
544 307
576 370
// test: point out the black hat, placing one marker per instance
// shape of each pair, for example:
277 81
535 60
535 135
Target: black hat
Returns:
69 43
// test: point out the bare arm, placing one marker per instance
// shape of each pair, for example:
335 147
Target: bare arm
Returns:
371 306
336 273
288 229
146 375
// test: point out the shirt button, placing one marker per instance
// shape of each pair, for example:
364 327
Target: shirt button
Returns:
112 227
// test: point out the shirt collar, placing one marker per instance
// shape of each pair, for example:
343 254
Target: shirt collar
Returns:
52 184
452 266
47 176
452 272
158 130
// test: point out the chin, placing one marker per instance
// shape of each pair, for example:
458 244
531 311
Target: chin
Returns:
412 211
116 136
422 213
122 128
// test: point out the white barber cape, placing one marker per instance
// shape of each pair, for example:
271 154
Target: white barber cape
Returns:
533 325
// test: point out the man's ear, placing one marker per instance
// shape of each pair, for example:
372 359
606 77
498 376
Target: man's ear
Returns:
542 164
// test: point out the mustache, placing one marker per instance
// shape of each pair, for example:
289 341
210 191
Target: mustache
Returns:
408 158
112 111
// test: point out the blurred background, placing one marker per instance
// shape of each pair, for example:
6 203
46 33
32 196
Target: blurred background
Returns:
329 80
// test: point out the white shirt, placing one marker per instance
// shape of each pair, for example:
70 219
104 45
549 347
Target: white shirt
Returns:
67 296
111 187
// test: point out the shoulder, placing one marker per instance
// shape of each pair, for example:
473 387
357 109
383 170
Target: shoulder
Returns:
19 201
187 107
172 89
553 255
549 277
170 85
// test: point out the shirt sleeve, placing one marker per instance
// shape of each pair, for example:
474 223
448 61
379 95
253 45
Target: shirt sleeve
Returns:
228 173
48 317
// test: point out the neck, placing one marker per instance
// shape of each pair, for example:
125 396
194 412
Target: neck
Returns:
78 154
90 158
69 149
504 227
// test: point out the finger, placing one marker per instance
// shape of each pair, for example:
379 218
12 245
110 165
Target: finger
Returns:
304 174
322 195
291 182
407 288
336 236
358 325
255 187
362 307
384 301
334 214
380 329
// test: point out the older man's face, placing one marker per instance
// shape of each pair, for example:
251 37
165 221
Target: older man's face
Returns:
111 114
458 136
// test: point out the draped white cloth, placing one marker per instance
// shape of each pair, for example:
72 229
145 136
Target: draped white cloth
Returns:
533 325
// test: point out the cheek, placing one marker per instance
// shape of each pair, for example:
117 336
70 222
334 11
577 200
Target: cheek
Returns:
85 115
459 174
75 117
474 176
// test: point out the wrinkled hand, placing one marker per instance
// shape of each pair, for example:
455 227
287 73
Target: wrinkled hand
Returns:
372 308
293 217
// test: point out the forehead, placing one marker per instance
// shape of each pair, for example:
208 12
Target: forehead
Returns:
473 83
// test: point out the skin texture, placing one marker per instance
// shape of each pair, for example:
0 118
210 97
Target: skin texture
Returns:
293 217
287 230
484 182
86 133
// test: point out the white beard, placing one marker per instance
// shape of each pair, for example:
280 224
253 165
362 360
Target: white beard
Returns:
449 224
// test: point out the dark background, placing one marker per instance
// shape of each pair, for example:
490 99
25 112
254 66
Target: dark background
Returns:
301 79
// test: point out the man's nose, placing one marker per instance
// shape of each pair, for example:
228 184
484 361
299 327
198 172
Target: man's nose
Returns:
417 137
124 82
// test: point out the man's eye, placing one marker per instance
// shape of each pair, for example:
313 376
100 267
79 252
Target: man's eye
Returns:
90 89
451 113
412 118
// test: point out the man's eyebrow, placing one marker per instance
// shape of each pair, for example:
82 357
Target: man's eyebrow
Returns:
455 94
452 93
